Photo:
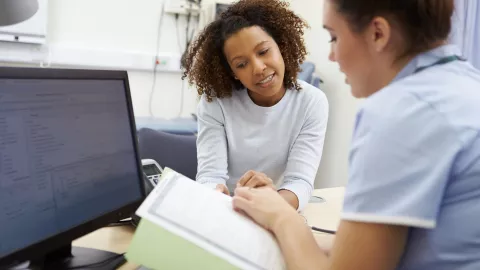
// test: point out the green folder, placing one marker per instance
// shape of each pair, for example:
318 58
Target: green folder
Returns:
157 248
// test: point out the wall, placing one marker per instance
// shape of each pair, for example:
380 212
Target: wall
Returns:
114 34
126 29
133 27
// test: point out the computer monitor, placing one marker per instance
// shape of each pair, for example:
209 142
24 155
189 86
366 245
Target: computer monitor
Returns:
68 163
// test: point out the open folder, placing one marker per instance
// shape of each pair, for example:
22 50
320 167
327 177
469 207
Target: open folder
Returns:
186 225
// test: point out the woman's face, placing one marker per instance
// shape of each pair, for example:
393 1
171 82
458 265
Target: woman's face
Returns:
256 61
361 56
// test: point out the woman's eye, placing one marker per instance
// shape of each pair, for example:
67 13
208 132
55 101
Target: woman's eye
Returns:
263 52
333 39
241 65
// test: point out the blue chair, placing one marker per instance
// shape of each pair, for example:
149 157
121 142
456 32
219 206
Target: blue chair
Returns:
307 74
178 152
179 126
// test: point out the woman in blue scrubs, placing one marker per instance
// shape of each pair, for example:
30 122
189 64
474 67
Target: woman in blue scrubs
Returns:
413 195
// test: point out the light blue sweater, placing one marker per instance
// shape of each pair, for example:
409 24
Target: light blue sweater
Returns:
284 141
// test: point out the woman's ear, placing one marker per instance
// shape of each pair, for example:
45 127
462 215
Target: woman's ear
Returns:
381 33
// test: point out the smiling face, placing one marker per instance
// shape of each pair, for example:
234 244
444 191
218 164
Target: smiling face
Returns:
255 59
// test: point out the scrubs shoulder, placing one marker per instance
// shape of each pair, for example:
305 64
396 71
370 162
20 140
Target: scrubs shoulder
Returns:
415 161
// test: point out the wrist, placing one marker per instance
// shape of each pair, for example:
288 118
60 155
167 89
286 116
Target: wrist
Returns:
290 197
285 220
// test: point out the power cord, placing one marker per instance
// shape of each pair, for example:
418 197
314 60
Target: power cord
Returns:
315 229
154 82
49 59
189 33
182 96
179 42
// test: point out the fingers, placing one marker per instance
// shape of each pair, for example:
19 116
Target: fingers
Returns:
245 178
223 189
254 179
240 204
244 192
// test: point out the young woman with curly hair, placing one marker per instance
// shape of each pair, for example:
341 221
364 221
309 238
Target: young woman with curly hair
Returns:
413 195
258 125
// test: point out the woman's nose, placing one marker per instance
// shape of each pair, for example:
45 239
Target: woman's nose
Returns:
258 67
331 56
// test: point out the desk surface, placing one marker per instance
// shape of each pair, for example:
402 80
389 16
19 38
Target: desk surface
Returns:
325 215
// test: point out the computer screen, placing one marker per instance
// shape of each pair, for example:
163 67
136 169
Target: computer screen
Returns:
67 156
151 170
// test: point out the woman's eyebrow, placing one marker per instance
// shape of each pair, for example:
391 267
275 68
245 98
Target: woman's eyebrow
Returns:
261 43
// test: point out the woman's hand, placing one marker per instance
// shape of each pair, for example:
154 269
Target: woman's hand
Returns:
264 205
255 179
222 188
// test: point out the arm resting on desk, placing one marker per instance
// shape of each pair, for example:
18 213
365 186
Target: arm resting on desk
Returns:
290 197
357 246
305 155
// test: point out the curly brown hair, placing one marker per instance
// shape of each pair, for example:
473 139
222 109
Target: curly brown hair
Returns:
205 64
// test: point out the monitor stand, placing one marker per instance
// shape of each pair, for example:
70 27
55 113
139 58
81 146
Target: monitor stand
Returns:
75 258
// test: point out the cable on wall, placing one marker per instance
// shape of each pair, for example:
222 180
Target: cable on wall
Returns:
189 34
157 47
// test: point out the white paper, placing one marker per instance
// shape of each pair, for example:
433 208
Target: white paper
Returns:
206 218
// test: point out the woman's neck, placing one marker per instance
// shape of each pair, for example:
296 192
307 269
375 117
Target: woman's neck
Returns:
399 64
387 73
267 101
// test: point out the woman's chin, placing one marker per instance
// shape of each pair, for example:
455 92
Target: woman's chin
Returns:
356 92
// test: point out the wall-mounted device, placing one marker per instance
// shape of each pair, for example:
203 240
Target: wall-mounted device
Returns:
219 7
152 170
183 7
23 21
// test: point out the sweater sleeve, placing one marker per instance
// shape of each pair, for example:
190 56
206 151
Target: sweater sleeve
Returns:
306 152
211 144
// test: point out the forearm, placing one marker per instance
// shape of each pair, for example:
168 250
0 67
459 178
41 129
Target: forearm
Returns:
298 245
296 192
290 197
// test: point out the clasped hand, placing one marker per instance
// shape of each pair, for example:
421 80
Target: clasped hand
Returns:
250 179
256 196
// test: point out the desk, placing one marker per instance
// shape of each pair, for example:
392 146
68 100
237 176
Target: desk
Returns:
324 215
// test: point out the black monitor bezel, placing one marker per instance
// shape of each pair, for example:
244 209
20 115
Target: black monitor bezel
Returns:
65 238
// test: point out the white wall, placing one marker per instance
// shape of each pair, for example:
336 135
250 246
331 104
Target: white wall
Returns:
130 28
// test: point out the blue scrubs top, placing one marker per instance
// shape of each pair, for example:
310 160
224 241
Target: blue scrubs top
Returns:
415 161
